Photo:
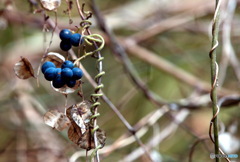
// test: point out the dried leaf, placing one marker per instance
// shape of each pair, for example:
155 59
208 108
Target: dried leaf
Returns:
50 4
80 130
56 119
56 58
86 141
23 69
80 114
66 90
74 133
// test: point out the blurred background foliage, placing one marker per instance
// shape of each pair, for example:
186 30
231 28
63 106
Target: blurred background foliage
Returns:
24 137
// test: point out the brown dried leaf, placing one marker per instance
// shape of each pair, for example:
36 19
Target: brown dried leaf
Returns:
56 58
23 69
74 133
56 119
80 130
50 4
86 141
80 114
66 90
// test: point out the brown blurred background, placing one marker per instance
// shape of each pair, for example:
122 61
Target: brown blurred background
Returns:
168 44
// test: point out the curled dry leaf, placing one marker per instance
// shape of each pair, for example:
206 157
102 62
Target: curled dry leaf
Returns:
56 119
86 141
80 130
56 58
50 4
23 69
65 89
80 114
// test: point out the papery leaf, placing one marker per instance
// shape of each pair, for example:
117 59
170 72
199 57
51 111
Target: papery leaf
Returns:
80 130
50 4
74 133
80 114
86 140
23 69
85 143
56 58
56 119
65 89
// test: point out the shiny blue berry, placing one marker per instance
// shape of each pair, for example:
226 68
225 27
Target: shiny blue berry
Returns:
75 39
58 82
65 45
59 71
71 83
47 65
77 73
50 73
67 64
65 34
67 73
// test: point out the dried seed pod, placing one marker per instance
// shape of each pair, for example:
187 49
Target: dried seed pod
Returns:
56 119
65 89
50 4
80 130
80 114
23 69
86 141
56 58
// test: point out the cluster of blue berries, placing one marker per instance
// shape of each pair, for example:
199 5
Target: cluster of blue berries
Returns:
67 74
69 39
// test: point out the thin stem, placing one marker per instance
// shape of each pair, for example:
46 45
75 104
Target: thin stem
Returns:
119 51
214 77
98 81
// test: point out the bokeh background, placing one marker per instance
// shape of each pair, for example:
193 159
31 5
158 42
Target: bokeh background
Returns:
167 42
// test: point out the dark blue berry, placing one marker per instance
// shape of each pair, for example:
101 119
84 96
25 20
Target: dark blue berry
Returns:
65 34
59 70
47 65
67 73
65 45
75 39
50 73
58 82
77 73
67 64
71 83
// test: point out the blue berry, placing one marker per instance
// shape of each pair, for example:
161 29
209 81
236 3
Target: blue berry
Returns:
77 73
50 73
58 82
65 45
67 64
71 83
59 71
67 73
75 39
65 34
47 65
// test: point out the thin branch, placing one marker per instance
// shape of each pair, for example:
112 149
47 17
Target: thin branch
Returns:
119 51
156 140
214 79
168 67
228 53
172 22
99 82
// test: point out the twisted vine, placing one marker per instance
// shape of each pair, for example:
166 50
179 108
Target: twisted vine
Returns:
93 39
214 79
